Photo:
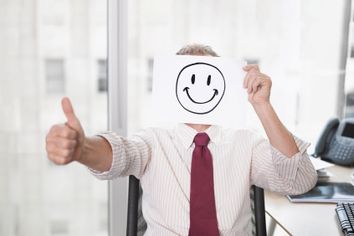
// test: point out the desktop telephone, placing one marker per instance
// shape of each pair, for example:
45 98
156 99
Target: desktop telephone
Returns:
336 143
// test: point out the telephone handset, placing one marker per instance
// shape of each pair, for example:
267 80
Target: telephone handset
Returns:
336 143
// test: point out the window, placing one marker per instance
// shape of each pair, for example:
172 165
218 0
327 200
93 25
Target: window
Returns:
288 46
349 81
102 75
49 47
55 80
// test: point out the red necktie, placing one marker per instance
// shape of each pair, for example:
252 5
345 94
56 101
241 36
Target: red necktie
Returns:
203 221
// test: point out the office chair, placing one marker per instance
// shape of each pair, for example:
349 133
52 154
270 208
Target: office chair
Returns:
136 224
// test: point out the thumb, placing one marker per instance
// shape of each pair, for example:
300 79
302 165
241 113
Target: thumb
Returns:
68 110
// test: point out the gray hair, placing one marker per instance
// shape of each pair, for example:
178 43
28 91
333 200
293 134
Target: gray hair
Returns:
197 50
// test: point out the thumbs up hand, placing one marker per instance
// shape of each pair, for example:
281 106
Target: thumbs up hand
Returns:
65 142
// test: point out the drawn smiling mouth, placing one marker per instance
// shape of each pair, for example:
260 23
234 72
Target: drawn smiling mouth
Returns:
186 89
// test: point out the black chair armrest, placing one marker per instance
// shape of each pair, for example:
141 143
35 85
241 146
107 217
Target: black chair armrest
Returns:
133 202
259 209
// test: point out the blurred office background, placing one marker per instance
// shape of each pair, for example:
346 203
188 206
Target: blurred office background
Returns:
50 49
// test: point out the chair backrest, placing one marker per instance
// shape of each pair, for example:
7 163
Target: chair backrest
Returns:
136 224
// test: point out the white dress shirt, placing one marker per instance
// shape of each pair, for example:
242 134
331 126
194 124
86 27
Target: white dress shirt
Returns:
161 159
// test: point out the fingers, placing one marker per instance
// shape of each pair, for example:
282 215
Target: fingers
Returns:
254 81
64 142
258 85
68 110
59 160
59 155
255 85
61 143
252 71
250 67
61 152
63 131
251 77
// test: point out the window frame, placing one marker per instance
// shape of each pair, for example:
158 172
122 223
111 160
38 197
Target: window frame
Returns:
117 106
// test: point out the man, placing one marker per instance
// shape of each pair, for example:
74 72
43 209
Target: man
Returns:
195 178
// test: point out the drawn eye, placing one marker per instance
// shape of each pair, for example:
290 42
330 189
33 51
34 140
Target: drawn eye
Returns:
193 78
209 79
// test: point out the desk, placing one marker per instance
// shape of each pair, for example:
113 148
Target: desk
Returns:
307 218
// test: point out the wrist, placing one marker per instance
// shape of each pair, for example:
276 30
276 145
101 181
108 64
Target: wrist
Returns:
82 150
93 147
262 106
264 111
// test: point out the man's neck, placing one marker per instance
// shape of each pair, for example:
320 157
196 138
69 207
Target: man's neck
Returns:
198 127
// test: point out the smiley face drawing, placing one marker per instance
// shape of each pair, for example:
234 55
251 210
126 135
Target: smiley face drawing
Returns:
200 87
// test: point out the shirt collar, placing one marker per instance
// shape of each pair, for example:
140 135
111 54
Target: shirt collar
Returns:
187 134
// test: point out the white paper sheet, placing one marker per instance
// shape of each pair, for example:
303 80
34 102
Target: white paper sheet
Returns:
319 164
199 90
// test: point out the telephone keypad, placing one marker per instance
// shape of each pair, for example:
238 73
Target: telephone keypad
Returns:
340 152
